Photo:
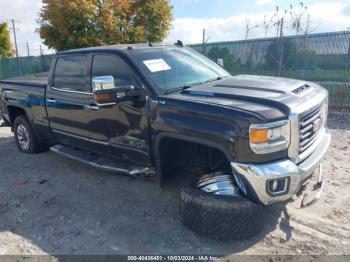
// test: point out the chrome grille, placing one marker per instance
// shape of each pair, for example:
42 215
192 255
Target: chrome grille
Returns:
308 135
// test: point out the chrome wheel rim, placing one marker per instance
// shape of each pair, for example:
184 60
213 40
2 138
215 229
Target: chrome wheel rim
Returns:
23 137
218 184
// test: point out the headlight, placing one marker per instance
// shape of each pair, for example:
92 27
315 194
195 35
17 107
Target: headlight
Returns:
269 138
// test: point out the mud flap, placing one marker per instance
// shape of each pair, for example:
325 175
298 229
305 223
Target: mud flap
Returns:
311 189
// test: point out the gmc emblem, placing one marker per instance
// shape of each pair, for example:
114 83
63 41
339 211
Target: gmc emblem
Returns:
317 124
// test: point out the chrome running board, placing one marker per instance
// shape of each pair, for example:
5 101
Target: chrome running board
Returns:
103 163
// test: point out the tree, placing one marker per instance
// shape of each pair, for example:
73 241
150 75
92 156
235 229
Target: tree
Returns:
279 61
282 53
154 17
278 55
5 42
249 28
67 24
267 24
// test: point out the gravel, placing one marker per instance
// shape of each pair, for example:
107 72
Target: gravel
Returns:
53 205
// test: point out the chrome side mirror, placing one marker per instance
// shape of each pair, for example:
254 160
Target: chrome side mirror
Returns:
100 83
108 96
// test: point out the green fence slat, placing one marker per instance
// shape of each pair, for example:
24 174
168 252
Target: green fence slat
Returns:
28 65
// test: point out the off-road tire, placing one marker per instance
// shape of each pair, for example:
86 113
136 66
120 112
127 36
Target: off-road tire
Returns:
219 217
34 145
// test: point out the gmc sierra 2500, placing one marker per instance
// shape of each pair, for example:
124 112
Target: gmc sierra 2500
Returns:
244 141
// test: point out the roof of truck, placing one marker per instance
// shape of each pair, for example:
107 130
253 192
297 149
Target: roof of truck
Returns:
125 48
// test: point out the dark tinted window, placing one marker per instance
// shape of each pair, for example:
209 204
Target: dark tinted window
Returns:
111 65
70 74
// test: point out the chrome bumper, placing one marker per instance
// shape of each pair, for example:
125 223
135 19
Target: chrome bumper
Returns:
253 178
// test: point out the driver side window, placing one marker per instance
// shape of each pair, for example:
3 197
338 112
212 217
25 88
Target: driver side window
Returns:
113 67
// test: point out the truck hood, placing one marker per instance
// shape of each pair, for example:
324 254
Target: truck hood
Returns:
270 97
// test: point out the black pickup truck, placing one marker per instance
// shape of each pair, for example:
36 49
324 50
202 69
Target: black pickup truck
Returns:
240 142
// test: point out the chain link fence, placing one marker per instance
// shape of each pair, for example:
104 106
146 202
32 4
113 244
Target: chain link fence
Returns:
322 58
12 67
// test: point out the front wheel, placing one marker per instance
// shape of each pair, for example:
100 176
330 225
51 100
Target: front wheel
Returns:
219 217
25 137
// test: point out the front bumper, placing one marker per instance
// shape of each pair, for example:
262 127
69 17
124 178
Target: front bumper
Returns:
253 178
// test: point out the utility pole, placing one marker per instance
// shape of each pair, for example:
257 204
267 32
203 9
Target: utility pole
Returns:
203 41
28 53
15 39
42 58
349 52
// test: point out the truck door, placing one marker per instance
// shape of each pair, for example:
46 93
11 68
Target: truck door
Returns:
68 98
120 129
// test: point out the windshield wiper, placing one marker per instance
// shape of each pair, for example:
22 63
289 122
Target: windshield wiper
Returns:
196 84
182 88
214 79
186 87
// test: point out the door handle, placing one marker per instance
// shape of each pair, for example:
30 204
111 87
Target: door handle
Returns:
51 101
92 107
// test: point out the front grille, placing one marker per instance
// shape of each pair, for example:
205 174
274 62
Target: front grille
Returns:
308 135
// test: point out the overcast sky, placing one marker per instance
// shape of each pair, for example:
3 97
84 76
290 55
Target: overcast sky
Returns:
223 19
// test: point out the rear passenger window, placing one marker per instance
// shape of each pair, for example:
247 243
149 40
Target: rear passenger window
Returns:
70 74
111 65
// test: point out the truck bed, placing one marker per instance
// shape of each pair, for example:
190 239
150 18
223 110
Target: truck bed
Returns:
26 93
38 80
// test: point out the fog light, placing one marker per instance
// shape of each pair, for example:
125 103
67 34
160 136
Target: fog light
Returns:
277 186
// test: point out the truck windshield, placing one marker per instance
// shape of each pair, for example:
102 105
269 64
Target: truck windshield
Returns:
175 68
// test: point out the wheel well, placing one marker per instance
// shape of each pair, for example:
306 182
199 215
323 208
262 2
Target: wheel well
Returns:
14 112
195 158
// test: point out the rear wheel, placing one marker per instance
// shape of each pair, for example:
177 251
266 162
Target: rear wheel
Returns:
219 217
25 137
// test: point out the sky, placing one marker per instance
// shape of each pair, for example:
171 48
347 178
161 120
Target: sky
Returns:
223 20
